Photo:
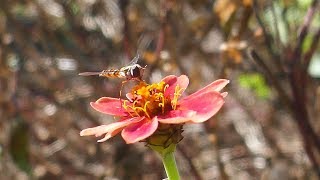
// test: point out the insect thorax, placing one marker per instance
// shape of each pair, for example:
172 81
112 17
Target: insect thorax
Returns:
134 72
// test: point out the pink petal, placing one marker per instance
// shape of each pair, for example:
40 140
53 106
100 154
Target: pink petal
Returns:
217 86
176 117
110 130
139 131
97 131
173 81
204 104
111 106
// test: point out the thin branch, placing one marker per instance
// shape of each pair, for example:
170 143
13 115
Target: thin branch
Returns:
306 132
276 27
297 106
298 76
285 20
268 38
282 94
302 33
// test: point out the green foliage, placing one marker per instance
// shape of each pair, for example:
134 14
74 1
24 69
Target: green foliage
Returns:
19 146
75 8
304 3
256 83
286 18
275 22
307 43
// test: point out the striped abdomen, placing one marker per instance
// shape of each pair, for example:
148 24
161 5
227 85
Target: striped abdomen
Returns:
112 73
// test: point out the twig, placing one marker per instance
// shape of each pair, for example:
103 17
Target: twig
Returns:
302 33
285 20
260 62
297 108
307 132
298 82
268 38
276 27
298 75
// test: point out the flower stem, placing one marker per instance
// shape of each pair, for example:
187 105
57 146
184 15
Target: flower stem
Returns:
170 166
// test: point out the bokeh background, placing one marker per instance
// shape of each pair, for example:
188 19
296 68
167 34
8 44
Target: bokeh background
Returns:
268 128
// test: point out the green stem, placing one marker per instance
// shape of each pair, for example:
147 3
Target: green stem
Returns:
170 165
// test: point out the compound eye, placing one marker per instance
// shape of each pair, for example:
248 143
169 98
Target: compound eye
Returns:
135 72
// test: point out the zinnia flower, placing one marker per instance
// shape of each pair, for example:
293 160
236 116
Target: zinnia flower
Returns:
156 110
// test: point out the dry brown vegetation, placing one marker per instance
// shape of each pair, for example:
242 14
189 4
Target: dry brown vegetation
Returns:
268 129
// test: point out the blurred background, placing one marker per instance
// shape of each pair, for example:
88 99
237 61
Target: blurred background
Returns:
268 129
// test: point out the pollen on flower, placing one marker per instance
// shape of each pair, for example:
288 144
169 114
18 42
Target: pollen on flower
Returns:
149 100
177 94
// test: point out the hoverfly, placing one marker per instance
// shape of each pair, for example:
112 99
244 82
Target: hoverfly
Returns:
132 71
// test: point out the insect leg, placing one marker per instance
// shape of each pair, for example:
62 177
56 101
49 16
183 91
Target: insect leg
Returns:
120 92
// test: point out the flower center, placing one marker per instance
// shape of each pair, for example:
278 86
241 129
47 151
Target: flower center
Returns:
149 100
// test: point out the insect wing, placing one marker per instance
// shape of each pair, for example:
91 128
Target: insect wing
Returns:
134 60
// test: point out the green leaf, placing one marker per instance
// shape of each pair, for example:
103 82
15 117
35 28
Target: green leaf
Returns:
304 3
256 83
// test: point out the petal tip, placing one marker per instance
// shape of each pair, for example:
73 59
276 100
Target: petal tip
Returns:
83 133
183 76
102 140
224 82
224 94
